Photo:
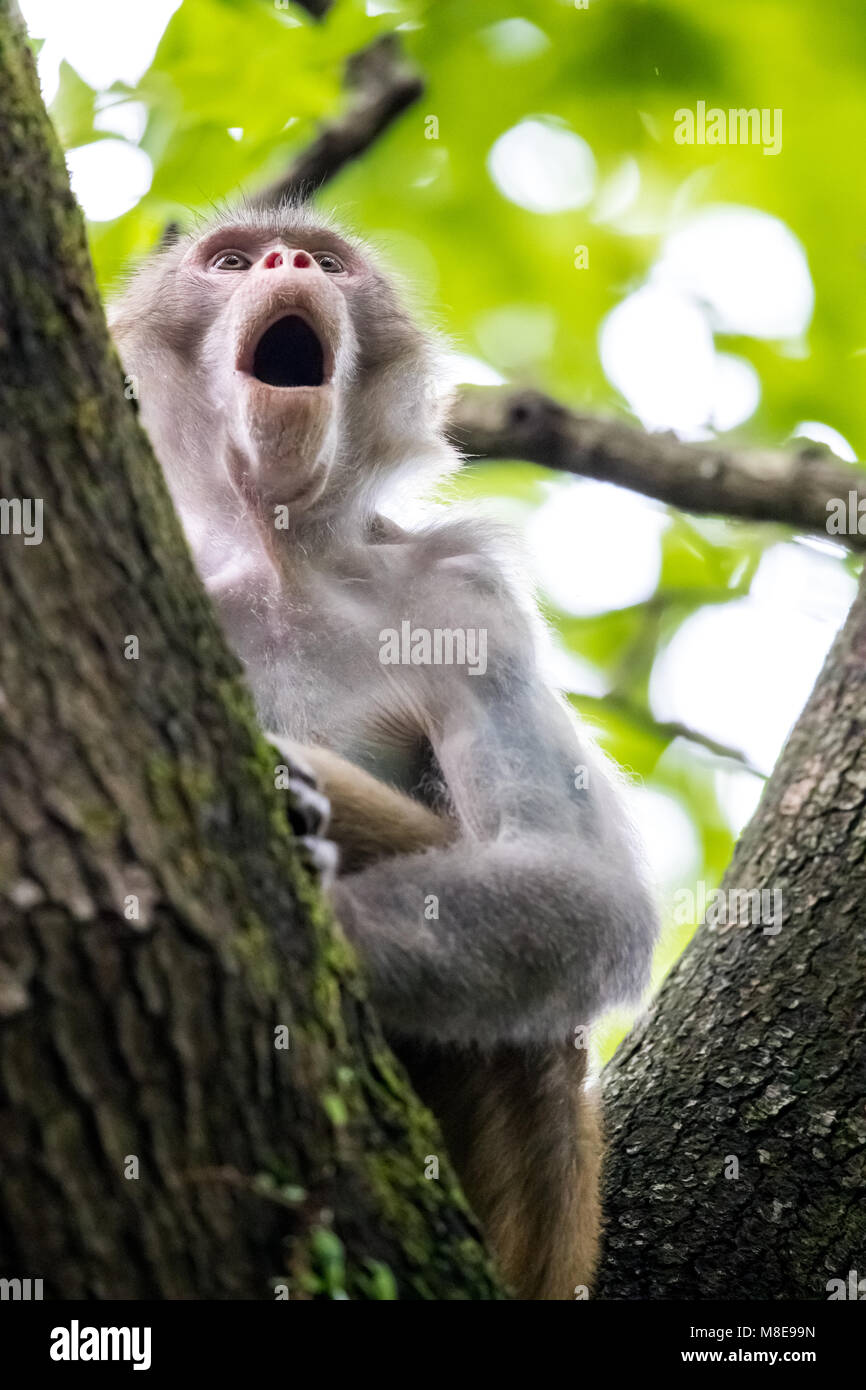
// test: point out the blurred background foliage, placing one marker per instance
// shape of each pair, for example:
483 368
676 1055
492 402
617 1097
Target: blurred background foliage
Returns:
720 288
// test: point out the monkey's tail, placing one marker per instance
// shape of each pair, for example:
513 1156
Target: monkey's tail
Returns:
525 1138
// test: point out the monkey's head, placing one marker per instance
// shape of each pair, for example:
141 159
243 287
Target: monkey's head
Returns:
271 350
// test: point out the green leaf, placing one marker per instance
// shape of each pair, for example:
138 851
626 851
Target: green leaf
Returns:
73 109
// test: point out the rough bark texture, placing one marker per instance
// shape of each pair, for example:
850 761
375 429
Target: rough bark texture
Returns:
756 1049
792 487
153 1036
146 778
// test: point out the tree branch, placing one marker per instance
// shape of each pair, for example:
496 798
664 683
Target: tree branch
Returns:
734 1111
384 85
791 487
667 729
317 8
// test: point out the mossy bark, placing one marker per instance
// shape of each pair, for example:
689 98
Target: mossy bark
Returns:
157 926
737 1109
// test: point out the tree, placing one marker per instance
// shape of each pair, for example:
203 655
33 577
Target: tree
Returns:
736 1110
195 1100
149 884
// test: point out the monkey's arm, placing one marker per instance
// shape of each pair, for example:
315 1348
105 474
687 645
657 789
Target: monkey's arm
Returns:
536 920
368 820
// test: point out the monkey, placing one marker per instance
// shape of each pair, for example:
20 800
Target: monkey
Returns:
489 880
501 1111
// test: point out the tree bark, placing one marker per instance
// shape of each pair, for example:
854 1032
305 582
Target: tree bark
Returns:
156 926
755 1049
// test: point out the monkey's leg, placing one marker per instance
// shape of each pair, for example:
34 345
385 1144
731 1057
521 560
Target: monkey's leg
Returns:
369 821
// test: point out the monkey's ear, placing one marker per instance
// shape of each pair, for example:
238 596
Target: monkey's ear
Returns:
383 531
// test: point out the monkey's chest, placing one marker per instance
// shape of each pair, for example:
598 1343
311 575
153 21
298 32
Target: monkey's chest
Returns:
330 686
359 660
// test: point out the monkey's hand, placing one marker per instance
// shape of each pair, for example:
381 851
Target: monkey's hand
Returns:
368 820
309 810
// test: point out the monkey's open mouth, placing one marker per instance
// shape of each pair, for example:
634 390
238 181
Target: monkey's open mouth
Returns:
289 354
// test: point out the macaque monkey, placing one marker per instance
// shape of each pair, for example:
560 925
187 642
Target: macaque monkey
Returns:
489 880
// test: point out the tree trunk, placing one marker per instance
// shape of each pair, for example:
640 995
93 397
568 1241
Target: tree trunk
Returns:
755 1049
157 927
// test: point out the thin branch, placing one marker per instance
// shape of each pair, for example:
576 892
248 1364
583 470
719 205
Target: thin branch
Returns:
791 487
665 729
383 85
317 8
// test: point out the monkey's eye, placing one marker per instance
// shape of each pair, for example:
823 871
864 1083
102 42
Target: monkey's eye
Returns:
230 260
331 264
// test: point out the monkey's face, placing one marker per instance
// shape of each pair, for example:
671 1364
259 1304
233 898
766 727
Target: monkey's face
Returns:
274 347
272 352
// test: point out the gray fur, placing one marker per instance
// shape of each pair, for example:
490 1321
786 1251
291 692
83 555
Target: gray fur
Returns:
544 920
